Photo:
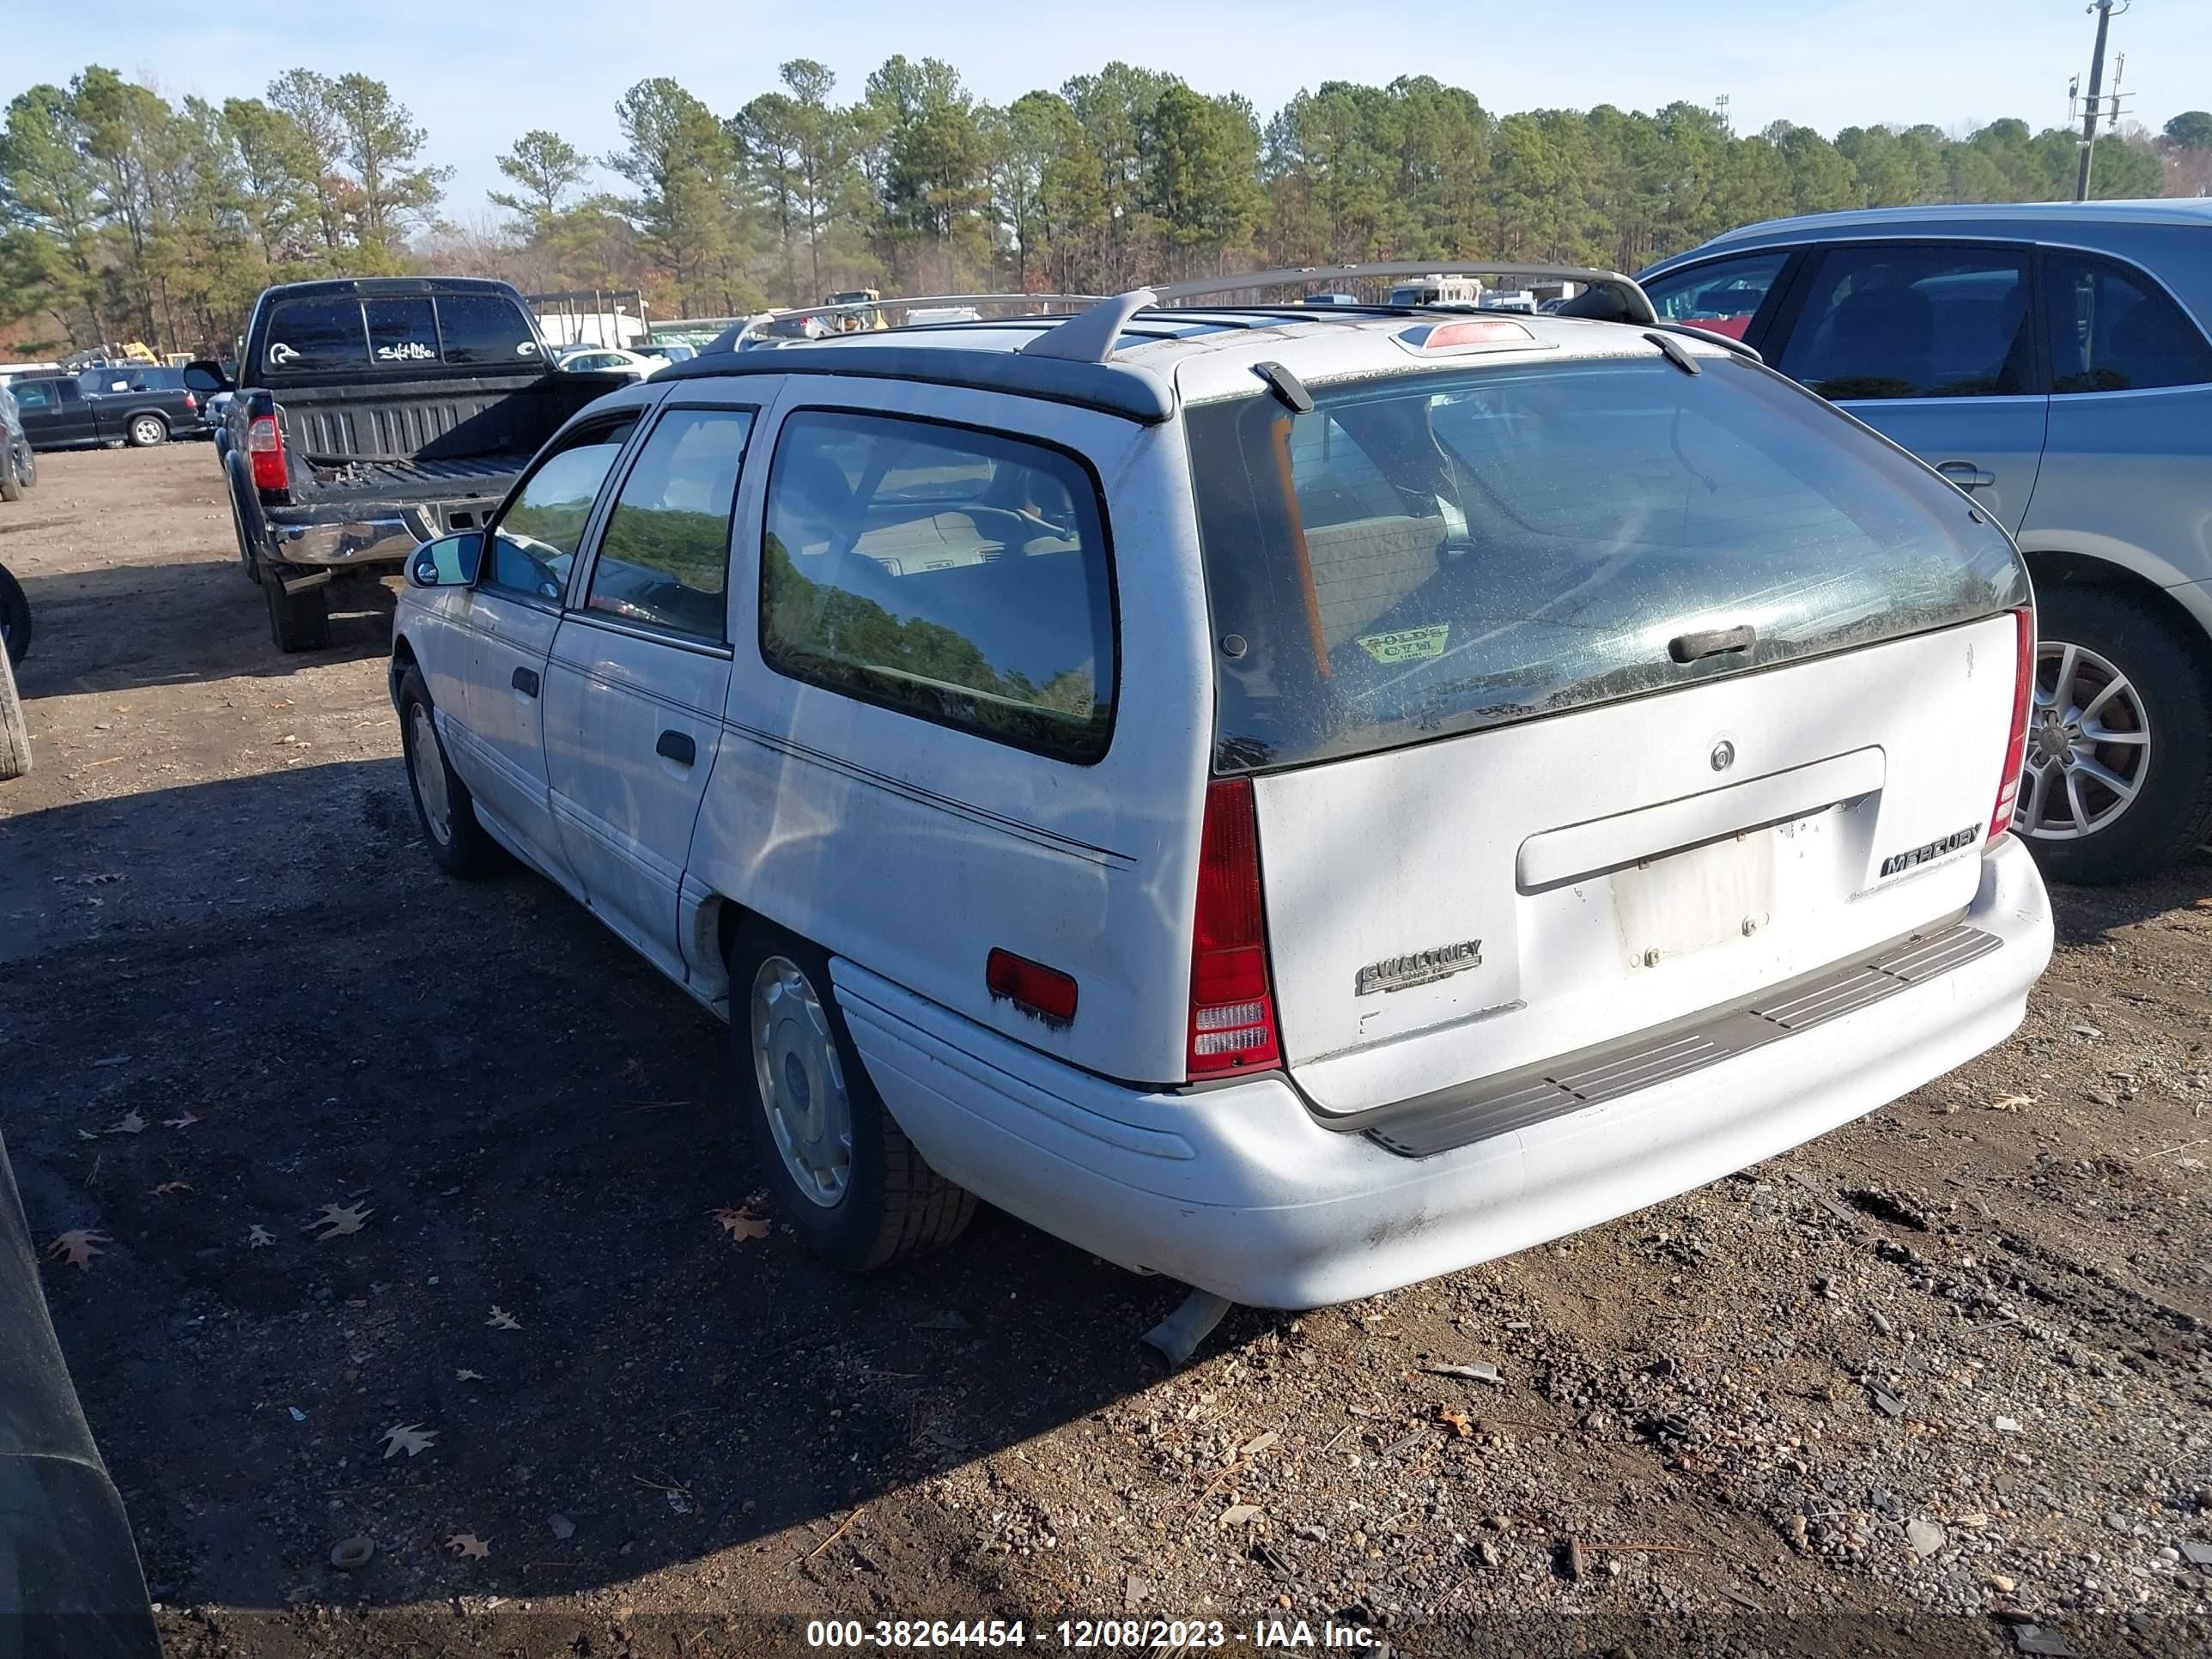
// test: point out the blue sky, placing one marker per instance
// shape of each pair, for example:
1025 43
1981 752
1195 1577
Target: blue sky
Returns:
477 75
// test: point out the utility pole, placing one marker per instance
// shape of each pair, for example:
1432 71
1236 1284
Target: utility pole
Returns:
2104 10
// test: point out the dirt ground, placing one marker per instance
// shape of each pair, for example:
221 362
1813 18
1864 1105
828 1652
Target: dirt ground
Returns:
1935 1384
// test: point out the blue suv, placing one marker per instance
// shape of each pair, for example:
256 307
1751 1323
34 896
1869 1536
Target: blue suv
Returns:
2052 361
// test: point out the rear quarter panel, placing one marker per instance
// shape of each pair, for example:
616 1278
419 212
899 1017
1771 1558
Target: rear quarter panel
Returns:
914 849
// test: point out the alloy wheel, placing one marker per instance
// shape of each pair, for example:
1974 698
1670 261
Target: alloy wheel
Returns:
2088 745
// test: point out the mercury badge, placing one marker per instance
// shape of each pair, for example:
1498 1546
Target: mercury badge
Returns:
1421 968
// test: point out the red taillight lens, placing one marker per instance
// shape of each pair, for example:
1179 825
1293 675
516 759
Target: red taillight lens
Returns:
2023 686
1232 1007
1042 991
265 449
191 404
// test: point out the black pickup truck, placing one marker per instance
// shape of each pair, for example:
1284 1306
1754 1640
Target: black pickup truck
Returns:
370 413
106 406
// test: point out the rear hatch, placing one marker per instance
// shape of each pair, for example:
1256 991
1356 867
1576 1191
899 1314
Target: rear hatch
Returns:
1580 697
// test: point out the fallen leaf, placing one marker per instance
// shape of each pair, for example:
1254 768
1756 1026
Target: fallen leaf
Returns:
259 1238
467 1543
169 1187
79 1247
1237 1514
742 1224
465 1374
502 1320
130 1123
563 1528
184 1122
409 1438
1457 1421
337 1223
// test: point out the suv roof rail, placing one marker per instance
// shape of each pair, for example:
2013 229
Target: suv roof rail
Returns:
1632 304
1089 337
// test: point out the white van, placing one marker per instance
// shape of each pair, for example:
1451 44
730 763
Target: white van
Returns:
1438 291
1296 802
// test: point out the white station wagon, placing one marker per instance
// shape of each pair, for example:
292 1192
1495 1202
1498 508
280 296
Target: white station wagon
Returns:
1295 800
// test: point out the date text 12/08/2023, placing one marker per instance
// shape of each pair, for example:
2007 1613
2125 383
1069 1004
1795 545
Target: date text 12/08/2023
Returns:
1082 1634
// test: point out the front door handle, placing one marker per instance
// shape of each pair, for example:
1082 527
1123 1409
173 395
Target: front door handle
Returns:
525 680
1967 474
676 747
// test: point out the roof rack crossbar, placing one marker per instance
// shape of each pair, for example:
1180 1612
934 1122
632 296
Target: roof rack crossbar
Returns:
1632 300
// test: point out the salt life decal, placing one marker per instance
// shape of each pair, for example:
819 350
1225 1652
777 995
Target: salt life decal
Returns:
1421 968
1407 644
1935 849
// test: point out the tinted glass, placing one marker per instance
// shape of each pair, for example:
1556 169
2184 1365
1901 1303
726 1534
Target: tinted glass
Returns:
1439 553
34 394
664 556
484 328
2114 329
402 330
537 537
961 575
1913 322
305 335
1722 297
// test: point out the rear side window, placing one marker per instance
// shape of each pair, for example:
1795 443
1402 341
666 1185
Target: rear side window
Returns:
2114 329
1442 552
962 576
484 329
306 335
663 557
1722 297
1913 321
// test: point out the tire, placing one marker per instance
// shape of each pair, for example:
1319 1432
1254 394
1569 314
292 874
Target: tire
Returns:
456 840
146 431
2080 829
26 468
890 1203
297 621
15 617
15 735
11 487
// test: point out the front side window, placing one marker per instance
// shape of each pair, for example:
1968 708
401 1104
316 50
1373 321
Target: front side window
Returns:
485 329
664 558
537 538
306 335
2114 329
1722 297
1447 551
1913 321
402 330
960 575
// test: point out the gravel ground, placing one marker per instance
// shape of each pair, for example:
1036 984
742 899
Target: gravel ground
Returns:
1935 1384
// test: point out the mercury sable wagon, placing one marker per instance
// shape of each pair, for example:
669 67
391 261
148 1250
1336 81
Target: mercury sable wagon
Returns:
1295 801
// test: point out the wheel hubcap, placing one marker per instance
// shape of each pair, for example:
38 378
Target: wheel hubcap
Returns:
429 774
2088 745
146 432
802 1082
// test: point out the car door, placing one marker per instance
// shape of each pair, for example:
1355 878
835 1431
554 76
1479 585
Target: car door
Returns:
508 620
1933 344
54 412
639 671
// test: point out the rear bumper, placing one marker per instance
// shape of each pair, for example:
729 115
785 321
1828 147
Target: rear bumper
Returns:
341 538
1239 1190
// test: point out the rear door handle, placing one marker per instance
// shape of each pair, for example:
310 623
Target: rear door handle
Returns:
525 680
676 747
1967 474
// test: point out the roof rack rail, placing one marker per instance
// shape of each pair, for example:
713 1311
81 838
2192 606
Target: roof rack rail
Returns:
1089 337
1626 300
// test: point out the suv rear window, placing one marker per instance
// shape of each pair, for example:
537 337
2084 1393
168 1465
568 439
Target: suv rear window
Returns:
1435 553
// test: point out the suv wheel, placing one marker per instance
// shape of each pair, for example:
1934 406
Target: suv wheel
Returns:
14 617
443 805
147 430
843 1172
14 734
2117 782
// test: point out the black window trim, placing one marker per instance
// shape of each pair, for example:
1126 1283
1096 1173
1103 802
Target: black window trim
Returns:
560 444
1784 322
2134 272
587 563
864 695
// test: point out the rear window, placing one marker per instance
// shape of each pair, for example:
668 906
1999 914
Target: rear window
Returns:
1429 554
399 331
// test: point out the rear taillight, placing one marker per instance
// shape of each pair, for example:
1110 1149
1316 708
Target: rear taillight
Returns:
264 448
191 404
2023 687
1232 1008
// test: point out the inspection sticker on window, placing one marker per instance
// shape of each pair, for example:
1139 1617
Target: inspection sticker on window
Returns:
1407 644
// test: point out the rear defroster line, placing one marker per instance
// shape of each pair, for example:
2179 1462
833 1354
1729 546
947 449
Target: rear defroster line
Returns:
1494 1106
